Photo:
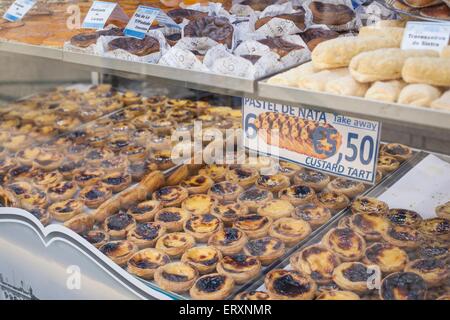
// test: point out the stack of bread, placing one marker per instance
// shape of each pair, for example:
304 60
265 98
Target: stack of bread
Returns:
373 66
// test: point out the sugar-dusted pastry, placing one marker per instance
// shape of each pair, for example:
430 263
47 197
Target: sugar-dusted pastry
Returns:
392 32
204 259
145 262
403 286
176 276
212 287
442 103
387 91
318 81
386 256
240 267
427 70
347 86
338 53
289 285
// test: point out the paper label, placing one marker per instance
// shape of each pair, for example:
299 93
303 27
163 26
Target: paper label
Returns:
333 143
18 10
426 36
98 15
141 22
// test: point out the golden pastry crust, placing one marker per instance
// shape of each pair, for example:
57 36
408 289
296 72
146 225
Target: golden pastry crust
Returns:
93 196
254 198
144 263
118 225
46 179
229 213
202 227
352 276
197 184
229 241
276 209
433 271
212 287
316 261
443 211
28 155
273 183
175 244
80 223
346 243
403 286
117 181
96 237
370 226
145 234
199 204
253 225
402 236
387 164
48 160
66 209
34 199
225 191
240 267
41 214
337 295
88 177
435 228
119 251
289 169
386 256
315 214
253 295
245 177
427 70
216 172
298 195
404 217
346 187
369 205
397 150
171 196
290 230
429 249
333 201
312 178
172 218
176 276
289 285
145 211
266 249
95 156
204 259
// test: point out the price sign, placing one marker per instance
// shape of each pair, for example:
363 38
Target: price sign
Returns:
98 15
329 142
141 22
426 35
18 10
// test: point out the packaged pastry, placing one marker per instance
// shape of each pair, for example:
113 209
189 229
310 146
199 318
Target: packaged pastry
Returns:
337 53
395 33
316 34
441 12
421 3
433 71
383 64
442 103
180 14
338 15
421 95
387 91
246 6
86 42
292 77
180 58
347 86
318 81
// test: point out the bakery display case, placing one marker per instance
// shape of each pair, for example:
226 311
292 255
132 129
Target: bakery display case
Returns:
129 179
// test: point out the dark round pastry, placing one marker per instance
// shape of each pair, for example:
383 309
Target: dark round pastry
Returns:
404 217
433 271
253 225
402 236
313 36
433 249
254 198
331 14
118 225
97 238
145 234
315 214
298 194
145 262
202 227
352 276
267 249
289 285
346 243
387 256
218 29
204 259
397 150
178 15
369 206
119 251
212 287
280 46
135 46
240 267
435 228
228 240
333 201
403 286
311 178
371 227
41 214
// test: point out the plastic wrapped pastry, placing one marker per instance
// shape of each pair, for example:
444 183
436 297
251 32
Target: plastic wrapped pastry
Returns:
421 3
443 103
292 77
337 53
434 71
347 86
336 14
395 33
391 23
318 81
421 95
383 64
387 91
445 53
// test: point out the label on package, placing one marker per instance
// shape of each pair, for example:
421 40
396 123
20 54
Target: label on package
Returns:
18 10
141 22
426 36
98 15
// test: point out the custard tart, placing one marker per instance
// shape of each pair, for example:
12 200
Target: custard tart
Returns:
276 209
119 251
289 230
135 153
387 164
346 187
46 179
212 287
315 214
69 168
433 271
172 218
144 263
66 209
202 227
81 223
145 211
245 177
28 155
386 256
48 160
119 224
88 177
333 201
371 227
41 214
352 276
273 183
397 150
160 160
433 249
337 295
443 211
199 204
253 295
93 196
288 169
197 184
96 237
312 178
117 181
402 236
35 199
176 277
145 234
225 191
404 217
254 198
204 259
289 285
266 249
240 267
298 194
435 228
20 172
346 243
228 240
403 286
253 225
175 244
229 213
216 172
95 156
171 196
369 206
316 261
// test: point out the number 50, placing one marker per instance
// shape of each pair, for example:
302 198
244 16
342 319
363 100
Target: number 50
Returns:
366 142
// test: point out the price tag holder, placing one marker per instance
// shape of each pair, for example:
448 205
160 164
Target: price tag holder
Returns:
426 35
333 143
98 15
18 10
141 22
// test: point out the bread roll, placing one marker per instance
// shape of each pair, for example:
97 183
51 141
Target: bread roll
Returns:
347 86
395 33
443 103
292 77
434 71
337 53
445 53
387 91
318 81
383 64
421 95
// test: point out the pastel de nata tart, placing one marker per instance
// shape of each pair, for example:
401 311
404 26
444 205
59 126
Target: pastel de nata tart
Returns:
352 276
175 244
404 217
176 276
199 204
216 172
435 228
397 150
20 173
346 243
387 164
117 181
34 199
402 236
212 287
276 209
346 187
229 241
144 263
145 234
289 285
254 198
433 271
41 214
171 196
316 261
386 256
197 184
96 237
433 249
202 227
240 267
273 183
315 214
8 198
69 168
81 223
403 286
443 210
145 211
369 206
298 194
45 179
28 155
93 196
289 230
444 297
338 295
172 218
66 209
288 169
333 201
119 224
253 295
253 225
119 251
245 177
87 177
225 191
204 259
229 213
371 227
48 160
95 156
267 249
312 178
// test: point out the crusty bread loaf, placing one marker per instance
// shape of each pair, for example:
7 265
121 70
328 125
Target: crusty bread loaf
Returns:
347 86
292 77
433 71
421 95
387 91
395 33
318 81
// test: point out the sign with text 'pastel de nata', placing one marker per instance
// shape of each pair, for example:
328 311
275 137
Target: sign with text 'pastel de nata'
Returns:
332 143
18 10
99 14
422 35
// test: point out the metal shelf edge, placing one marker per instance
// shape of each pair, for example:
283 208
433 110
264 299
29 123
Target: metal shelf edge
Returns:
31 50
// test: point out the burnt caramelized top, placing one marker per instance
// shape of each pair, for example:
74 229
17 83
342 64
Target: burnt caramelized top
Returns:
356 272
148 231
224 188
254 195
169 216
238 262
119 221
259 247
95 236
311 176
287 284
403 285
403 217
210 283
